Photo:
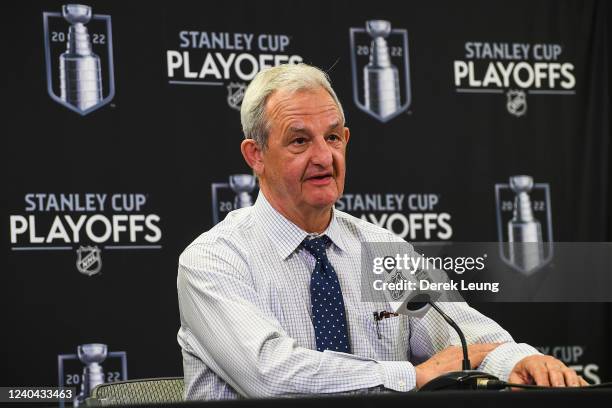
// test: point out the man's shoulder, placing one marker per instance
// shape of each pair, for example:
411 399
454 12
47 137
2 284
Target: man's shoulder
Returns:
230 233
364 230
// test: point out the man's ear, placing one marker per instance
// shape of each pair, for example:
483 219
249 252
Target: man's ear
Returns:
253 155
347 134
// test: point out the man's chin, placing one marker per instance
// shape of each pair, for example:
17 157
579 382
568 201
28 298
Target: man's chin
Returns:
323 200
321 197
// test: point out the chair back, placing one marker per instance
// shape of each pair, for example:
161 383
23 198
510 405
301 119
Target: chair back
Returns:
132 392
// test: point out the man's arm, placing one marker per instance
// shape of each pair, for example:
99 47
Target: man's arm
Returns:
236 335
431 334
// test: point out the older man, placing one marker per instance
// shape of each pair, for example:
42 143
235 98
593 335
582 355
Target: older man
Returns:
269 298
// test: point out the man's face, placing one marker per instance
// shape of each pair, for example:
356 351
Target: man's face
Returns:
304 161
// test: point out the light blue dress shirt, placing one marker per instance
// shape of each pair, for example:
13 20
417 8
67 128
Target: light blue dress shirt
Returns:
246 328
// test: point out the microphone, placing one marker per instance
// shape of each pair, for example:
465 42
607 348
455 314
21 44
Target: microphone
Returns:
416 305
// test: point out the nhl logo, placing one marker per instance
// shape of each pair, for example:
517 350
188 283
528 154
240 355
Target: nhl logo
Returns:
89 260
380 68
396 294
79 58
516 102
235 94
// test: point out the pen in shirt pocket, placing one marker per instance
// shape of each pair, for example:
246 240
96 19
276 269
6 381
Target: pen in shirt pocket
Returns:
378 316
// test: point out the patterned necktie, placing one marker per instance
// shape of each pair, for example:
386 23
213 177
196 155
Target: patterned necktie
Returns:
328 313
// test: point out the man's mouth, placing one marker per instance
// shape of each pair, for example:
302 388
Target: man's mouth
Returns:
320 179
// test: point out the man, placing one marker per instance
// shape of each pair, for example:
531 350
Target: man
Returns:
269 298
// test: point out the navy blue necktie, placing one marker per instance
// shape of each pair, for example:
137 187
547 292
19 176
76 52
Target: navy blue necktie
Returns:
328 314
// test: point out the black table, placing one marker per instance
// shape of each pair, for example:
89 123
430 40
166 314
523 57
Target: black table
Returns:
584 398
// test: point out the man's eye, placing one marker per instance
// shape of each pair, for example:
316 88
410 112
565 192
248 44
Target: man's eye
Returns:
299 141
333 138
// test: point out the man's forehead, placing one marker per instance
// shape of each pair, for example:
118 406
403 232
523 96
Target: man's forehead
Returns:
294 105
298 125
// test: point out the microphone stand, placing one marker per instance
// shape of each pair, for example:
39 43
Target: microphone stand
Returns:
466 379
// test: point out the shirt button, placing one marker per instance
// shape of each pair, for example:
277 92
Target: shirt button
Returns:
401 384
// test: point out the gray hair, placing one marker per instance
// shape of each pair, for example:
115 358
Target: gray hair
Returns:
288 77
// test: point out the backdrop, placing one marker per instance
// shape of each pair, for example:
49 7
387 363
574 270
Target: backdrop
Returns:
121 145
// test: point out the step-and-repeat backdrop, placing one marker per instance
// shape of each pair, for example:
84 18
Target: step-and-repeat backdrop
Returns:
121 136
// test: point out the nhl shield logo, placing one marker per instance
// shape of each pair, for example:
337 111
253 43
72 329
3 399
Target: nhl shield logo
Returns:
235 94
524 223
89 260
516 102
79 58
380 69
396 294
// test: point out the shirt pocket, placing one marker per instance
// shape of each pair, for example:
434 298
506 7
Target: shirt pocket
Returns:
388 338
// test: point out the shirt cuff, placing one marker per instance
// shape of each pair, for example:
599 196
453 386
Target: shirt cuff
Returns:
398 375
502 360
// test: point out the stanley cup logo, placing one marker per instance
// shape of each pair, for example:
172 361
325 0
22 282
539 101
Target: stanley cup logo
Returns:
243 185
380 77
79 58
232 195
91 355
381 73
524 246
84 368
523 227
524 231
80 75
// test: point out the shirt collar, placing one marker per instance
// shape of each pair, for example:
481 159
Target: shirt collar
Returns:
289 236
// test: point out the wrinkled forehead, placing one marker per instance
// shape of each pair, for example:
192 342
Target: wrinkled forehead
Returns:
295 107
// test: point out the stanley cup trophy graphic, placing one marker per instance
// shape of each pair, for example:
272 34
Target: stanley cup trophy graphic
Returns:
524 231
80 73
91 355
243 185
381 79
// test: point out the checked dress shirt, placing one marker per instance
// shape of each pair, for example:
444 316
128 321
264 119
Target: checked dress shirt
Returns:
244 290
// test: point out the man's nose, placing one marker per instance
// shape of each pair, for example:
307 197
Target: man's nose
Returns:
321 153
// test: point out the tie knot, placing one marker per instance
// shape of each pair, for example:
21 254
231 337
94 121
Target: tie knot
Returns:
316 246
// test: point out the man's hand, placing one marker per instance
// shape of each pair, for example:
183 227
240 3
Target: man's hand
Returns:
449 360
546 371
